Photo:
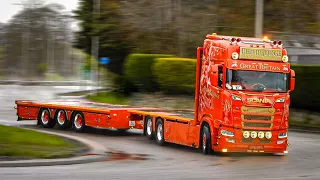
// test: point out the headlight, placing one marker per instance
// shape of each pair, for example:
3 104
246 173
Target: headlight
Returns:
280 100
261 135
246 134
268 135
236 98
253 134
283 135
227 133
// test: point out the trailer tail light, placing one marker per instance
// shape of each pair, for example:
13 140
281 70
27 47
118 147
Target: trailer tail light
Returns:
279 43
238 39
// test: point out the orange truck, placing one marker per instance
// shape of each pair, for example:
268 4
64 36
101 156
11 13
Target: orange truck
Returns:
241 102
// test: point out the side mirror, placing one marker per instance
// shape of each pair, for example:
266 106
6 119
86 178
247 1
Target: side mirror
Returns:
292 80
214 75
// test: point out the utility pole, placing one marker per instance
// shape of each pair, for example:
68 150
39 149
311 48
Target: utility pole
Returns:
259 18
95 44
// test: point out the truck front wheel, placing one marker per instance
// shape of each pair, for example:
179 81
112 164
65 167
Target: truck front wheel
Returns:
205 140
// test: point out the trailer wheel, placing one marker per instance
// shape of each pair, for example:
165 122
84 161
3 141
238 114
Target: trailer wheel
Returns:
45 118
61 119
78 122
148 128
159 132
205 141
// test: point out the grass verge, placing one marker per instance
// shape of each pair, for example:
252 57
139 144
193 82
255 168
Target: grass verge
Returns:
109 97
21 143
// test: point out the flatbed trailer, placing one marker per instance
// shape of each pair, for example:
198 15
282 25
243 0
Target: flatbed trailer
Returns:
62 113
242 99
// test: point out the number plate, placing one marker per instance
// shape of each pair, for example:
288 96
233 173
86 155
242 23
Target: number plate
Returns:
254 147
132 123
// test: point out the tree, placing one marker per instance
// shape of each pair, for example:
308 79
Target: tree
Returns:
108 26
37 38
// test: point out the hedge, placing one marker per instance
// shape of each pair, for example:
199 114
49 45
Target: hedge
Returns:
306 94
138 70
175 75
169 74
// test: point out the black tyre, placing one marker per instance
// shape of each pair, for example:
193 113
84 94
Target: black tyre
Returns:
78 122
148 128
61 119
205 141
45 118
159 132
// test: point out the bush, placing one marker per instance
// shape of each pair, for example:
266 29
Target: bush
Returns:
306 94
175 75
138 71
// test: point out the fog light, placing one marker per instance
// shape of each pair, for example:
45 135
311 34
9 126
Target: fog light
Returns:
246 134
286 152
224 150
268 135
230 140
280 142
253 134
261 135
283 135
227 133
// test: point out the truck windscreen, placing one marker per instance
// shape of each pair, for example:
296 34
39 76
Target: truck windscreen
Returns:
257 81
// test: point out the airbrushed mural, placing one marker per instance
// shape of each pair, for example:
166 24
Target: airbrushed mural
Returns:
206 93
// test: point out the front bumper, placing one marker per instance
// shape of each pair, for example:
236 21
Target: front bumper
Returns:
238 143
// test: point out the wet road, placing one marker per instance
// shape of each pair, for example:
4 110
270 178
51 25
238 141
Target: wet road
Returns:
168 162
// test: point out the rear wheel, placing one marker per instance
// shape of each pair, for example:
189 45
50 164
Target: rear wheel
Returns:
159 132
148 128
45 118
205 141
61 119
78 122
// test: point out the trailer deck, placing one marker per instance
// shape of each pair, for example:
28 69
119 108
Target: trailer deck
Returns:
27 106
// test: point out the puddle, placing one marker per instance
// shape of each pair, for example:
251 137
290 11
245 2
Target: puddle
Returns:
116 156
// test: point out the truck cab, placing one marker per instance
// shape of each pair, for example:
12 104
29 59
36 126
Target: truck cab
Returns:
243 94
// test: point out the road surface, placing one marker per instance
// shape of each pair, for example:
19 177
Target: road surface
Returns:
168 162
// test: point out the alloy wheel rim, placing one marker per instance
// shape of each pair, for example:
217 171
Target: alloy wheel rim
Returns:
61 117
159 132
78 121
45 117
149 127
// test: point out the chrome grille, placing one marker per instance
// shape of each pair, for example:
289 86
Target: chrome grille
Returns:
262 118
259 125
257 110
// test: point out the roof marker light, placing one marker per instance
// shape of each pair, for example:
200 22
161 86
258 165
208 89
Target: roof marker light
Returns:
274 43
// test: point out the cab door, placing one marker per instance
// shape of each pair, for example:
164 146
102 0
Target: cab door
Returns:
218 79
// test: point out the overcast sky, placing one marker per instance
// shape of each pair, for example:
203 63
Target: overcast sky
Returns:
7 9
